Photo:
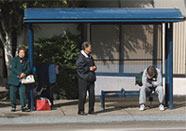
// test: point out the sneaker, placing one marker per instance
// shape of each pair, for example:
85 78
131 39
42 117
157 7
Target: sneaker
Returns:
13 109
161 107
142 107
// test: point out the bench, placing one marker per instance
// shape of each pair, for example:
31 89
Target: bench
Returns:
122 94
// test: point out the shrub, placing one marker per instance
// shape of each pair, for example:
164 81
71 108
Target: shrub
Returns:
63 51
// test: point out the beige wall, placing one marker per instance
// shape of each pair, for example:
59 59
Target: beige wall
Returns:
181 4
48 30
179 48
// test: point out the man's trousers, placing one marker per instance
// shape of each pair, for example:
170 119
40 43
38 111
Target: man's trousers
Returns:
85 86
143 90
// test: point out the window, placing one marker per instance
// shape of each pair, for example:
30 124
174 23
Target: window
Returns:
126 48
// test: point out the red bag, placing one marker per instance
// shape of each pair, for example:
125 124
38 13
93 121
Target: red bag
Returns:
42 105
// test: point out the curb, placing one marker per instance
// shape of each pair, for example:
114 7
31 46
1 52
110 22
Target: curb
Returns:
90 119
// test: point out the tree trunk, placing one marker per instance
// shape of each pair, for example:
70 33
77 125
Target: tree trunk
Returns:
8 51
6 39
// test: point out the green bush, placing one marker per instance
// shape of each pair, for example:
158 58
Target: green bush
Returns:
63 51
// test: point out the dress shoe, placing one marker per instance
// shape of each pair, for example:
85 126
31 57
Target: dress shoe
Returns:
91 113
82 113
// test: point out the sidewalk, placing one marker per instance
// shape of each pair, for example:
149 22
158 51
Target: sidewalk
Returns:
117 110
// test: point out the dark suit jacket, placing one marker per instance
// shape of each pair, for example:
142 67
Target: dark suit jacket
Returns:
83 65
17 69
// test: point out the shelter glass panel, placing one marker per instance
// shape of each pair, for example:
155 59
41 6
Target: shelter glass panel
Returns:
126 48
105 39
141 46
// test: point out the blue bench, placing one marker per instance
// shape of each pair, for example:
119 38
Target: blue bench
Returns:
121 94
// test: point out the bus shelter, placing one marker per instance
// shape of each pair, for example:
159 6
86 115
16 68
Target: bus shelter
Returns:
110 15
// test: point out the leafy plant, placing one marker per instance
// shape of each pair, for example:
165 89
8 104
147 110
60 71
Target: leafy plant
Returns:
63 51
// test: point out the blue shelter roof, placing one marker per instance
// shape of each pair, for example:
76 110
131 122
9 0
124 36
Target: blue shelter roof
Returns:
50 15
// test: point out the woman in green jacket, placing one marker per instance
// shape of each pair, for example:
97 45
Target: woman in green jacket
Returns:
20 68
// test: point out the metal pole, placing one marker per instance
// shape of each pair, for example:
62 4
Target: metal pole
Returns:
30 55
121 56
171 67
155 45
166 65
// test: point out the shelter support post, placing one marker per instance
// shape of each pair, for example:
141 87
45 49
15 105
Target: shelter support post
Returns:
30 55
169 64
166 65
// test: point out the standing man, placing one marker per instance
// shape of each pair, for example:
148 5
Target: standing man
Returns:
86 77
151 81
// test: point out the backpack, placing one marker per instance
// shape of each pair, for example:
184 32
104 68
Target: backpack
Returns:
139 79
52 73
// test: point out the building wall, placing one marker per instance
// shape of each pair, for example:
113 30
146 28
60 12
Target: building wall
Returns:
179 39
179 35
179 48
180 4
116 83
112 83
48 30
179 31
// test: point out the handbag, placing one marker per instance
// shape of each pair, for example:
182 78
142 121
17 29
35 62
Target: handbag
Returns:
28 79
42 105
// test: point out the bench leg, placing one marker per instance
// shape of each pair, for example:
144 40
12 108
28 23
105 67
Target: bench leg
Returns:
102 100
150 98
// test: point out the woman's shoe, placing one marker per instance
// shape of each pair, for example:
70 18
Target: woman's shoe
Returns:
25 109
13 110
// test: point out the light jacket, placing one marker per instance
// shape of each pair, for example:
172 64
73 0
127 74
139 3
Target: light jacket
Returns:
157 80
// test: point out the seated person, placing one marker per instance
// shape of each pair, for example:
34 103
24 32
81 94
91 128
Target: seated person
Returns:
151 81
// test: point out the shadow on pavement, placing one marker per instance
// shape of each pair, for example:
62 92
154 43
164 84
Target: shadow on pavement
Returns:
122 103
4 95
4 99
109 110
4 104
180 105
13 115
66 104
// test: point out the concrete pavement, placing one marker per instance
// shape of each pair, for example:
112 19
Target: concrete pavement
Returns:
113 126
117 110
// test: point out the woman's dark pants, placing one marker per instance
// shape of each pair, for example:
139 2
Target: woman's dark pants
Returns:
22 95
